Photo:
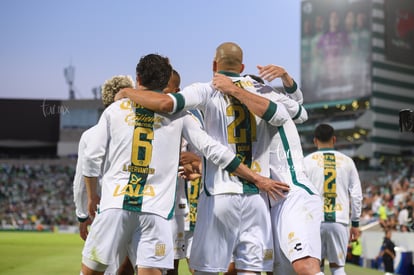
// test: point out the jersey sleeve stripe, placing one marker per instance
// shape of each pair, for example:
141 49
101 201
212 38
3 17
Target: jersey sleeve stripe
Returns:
233 165
298 113
291 90
271 110
179 102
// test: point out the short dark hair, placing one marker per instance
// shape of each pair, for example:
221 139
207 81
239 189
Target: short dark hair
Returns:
177 75
324 132
154 71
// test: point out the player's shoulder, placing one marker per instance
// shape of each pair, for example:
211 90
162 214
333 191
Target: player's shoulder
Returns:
309 156
201 86
341 154
122 104
88 132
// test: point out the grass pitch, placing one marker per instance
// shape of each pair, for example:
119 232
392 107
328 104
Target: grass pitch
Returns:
37 253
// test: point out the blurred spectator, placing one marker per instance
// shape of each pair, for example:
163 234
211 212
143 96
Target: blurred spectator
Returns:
37 195
33 195
405 218
356 249
387 253
382 214
377 200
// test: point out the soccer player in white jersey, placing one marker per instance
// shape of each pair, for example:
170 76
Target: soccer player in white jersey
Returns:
232 215
336 177
296 213
109 89
137 195
295 219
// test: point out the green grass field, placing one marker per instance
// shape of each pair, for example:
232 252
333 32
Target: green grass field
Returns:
34 253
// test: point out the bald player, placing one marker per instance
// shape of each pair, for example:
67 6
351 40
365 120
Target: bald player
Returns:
233 215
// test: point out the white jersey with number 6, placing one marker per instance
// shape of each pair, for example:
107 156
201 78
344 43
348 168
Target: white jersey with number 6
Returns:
139 151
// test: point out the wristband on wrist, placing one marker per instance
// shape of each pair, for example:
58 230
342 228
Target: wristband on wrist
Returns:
291 89
83 219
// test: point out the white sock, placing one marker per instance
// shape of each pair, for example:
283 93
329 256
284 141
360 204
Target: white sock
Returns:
338 270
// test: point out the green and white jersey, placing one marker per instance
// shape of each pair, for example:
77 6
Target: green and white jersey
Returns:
80 197
286 154
139 152
286 159
335 176
230 122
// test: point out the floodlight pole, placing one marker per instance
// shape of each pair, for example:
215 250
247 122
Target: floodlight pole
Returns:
69 73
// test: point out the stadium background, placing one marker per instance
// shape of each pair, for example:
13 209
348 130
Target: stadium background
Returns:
359 87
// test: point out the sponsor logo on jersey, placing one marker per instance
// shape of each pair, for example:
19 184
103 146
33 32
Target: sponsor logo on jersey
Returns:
298 247
134 191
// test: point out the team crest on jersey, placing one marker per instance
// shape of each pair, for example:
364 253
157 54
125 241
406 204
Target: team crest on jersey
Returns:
160 249
268 254
126 105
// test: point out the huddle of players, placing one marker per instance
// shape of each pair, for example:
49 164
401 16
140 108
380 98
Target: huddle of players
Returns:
249 218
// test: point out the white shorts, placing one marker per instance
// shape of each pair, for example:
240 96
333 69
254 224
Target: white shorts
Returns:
189 241
116 233
335 238
296 229
232 224
178 233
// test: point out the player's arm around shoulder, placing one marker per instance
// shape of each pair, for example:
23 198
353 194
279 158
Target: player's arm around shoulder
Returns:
257 104
154 101
261 106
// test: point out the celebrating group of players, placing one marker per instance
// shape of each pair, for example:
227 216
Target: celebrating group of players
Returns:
261 202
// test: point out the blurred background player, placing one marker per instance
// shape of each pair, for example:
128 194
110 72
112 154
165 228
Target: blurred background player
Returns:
335 176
